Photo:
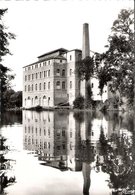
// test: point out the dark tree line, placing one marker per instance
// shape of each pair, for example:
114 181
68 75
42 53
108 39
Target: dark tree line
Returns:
118 61
5 75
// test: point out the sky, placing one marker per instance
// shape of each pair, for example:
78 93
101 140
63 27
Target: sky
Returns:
41 26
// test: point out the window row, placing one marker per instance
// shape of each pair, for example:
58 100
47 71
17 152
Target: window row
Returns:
44 86
41 64
37 75
43 74
37 131
37 87
45 145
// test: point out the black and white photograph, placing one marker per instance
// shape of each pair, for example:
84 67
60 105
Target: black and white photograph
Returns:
67 97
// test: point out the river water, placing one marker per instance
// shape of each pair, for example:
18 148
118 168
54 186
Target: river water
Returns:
67 153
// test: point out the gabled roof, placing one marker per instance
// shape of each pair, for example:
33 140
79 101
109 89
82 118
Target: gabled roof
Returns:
54 51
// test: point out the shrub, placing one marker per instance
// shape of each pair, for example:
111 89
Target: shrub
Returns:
79 102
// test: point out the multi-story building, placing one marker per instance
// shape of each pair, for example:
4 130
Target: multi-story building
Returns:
53 79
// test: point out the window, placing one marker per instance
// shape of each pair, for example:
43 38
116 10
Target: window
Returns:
48 85
49 131
58 72
25 78
36 75
25 101
32 87
36 87
63 145
49 145
63 85
28 87
44 74
48 62
92 85
48 103
45 145
48 73
44 132
63 72
60 61
70 57
70 84
25 88
58 85
40 74
29 77
39 86
44 97
63 133
70 72
32 76
44 85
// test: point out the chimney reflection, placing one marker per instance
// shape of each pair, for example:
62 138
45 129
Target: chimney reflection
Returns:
86 170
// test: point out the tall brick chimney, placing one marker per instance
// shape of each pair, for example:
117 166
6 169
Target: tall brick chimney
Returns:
85 53
85 43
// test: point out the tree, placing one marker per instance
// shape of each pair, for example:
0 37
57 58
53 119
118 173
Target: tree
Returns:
4 43
16 99
118 60
85 69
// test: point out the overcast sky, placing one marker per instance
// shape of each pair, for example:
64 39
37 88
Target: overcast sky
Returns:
41 26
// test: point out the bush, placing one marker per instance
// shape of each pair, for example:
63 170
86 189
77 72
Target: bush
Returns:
79 102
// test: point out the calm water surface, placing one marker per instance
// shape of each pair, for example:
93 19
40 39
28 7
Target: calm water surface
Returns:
67 153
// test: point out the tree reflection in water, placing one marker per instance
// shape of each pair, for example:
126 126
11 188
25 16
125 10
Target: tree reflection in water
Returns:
118 160
5 178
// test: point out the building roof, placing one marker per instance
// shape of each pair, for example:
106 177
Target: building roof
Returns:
49 58
75 50
54 51
62 50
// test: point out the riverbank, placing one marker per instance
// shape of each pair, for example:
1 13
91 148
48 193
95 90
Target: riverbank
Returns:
69 108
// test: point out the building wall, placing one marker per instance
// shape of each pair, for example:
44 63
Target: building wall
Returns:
72 78
60 82
38 132
96 91
39 85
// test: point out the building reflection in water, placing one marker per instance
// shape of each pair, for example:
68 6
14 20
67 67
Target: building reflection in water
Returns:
72 141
